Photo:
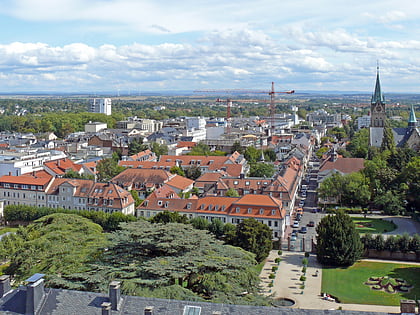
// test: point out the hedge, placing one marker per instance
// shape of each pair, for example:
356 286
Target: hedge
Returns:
108 221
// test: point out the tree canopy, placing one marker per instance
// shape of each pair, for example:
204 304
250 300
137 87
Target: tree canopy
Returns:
338 242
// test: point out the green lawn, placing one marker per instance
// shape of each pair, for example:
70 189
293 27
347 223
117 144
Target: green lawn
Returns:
347 284
374 226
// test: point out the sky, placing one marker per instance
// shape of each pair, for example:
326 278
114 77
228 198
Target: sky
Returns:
143 45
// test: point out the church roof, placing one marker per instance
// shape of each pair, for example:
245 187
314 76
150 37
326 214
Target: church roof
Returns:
377 96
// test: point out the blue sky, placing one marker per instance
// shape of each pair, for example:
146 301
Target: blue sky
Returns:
137 45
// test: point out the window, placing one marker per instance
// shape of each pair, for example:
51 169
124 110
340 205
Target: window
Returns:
216 207
276 223
223 208
111 202
246 183
202 206
25 187
189 205
166 204
210 207
6 185
15 186
237 209
235 182
160 202
261 211
273 212
269 222
249 210
110 191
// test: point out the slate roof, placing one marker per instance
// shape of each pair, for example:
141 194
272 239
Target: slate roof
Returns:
69 302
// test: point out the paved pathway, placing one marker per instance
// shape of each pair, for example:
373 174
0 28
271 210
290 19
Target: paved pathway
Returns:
287 284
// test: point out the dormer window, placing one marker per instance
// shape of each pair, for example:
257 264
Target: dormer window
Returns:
247 183
189 205
216 207
166 204
210 207
146 203
249 210
223 208
237 209
160 202
273 212
235 182
261 211
202 206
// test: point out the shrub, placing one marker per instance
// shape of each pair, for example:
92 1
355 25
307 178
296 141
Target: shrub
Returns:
272 276
277 260
270 285
302 278
274 268
302 287
280 252
305 261
306 254
304 269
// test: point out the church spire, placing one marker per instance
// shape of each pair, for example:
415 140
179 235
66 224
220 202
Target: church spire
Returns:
412 120
377 96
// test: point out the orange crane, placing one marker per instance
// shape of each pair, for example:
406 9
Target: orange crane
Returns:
272 94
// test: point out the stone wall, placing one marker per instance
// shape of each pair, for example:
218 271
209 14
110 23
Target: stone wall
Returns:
386 254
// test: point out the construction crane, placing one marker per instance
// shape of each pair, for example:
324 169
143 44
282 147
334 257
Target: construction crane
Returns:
272 93
229 104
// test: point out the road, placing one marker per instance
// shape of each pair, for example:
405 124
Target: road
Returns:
308 214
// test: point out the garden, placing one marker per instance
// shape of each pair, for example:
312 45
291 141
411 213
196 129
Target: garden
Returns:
374 226
372 283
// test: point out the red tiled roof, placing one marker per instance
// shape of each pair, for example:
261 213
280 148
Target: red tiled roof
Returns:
344 165
60 166
147 164
180 182
25 180
187 144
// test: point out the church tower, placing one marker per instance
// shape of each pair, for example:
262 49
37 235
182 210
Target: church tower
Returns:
377 106
412 120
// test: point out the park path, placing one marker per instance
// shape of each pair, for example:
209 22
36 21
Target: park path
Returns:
287 284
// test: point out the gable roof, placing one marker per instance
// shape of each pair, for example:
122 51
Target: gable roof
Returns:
140 175
344 165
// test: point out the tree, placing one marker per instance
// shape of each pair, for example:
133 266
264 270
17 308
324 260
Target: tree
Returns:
159 149
193 172
255 237
388 142
169 217
232 192
261 170
108 168
136 146
63 243
338 242
359 144
391 202
216 227
177 170
135 195
251 154
200 223
270 155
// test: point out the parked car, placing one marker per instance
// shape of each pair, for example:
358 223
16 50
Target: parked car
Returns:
311 224
301 203
296 224
303 229
293 237
298 217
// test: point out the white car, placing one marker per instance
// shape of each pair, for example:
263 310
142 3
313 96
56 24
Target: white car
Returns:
295 224
301 203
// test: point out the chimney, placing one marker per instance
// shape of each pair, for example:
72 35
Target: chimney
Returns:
34 293
10 173
106 308
148 310
115 295
242 175
4 285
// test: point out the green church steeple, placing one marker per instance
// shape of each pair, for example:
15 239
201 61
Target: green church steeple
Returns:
377 96
412 120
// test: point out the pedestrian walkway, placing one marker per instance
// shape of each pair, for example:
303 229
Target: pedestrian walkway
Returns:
287 284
